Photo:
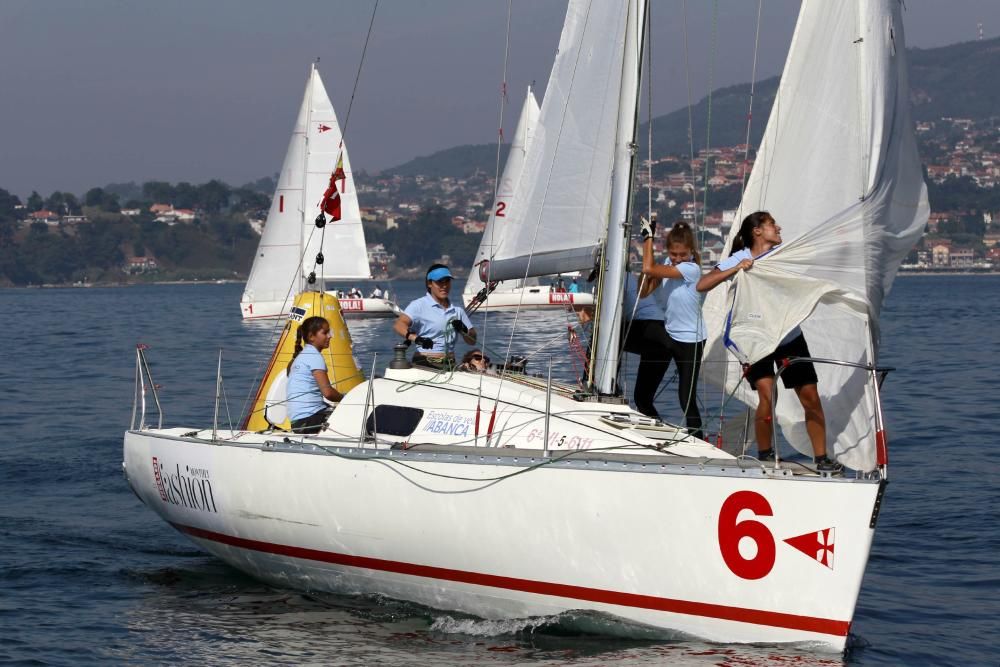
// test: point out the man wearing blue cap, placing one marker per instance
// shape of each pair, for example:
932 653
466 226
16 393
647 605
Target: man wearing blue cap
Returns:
433 322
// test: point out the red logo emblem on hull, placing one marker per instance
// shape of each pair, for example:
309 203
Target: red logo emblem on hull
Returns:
817 544
560 297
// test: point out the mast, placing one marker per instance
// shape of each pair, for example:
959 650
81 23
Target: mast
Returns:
607 347
305 180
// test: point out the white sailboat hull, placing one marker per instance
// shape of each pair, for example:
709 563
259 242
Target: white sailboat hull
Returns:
685 543
533 298
355 308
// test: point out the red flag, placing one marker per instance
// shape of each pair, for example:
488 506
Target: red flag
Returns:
331 198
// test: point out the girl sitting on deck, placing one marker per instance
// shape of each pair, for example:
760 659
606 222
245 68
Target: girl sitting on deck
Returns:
308 380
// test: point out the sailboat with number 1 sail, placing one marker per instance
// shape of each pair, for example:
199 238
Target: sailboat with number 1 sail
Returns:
423 480
295 254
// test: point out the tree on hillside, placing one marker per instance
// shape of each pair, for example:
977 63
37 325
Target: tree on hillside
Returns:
8 204
246 199
63 203
213 196
35 202
158 192
98 198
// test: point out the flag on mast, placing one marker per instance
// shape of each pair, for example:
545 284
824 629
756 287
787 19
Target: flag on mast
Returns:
331 198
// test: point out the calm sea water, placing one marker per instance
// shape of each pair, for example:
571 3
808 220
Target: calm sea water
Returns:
88 575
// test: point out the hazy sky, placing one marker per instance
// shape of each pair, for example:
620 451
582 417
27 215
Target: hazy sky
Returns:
99 91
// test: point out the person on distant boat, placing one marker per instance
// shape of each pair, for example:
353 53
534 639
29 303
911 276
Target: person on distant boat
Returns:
434 323
684 328
376 293
758 235
475 361
308 380
574 288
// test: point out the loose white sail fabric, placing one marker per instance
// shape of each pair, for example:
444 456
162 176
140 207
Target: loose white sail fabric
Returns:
565 180
506 199
839 171
280 264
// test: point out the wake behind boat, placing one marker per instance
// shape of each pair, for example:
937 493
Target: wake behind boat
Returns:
293 254
507 495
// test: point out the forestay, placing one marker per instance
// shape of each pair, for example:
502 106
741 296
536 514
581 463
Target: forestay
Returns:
839 171
290 240
566 181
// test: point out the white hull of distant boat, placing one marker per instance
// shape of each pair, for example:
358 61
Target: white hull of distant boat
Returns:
355 308
534 298
688 540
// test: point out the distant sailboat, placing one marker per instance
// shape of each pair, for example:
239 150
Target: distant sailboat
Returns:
529 294
290 242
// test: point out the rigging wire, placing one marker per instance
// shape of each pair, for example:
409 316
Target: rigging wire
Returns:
496 194
708 120
753 83
280 322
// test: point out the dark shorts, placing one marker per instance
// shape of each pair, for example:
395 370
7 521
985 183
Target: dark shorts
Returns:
313 423
796 375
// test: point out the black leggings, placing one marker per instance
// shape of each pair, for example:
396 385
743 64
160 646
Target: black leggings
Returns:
687 356
313 423
650 341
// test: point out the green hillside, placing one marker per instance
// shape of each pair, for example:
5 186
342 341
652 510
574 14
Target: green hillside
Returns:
955 80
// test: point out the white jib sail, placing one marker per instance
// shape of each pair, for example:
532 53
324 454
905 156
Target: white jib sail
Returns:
839 171
564 189
283 260
506 199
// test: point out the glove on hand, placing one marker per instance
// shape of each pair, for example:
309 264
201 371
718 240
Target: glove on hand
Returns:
459 326
646 228
423 342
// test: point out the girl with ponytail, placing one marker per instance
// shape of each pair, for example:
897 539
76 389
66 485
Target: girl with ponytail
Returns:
308 380
758 235
684 327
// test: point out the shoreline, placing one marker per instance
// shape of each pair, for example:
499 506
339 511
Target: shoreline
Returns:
227 281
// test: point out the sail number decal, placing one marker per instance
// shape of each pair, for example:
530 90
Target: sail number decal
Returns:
756 557
501 207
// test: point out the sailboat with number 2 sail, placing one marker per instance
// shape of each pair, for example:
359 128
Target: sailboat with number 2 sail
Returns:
480 292
294 254
510 496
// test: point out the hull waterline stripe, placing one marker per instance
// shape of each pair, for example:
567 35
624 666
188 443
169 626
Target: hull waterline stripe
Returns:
740 614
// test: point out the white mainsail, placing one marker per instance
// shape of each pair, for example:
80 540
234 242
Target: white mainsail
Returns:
506 198
839 171
290 240
565 180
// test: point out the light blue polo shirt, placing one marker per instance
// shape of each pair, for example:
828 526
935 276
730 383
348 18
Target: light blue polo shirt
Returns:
650 307
736 258
432 320
304 398
684 321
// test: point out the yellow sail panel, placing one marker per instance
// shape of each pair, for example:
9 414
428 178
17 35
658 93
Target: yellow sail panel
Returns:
269 408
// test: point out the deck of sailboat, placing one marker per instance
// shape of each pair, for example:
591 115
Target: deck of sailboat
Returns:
650 461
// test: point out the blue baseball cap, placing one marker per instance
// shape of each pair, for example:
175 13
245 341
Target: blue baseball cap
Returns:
439 273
